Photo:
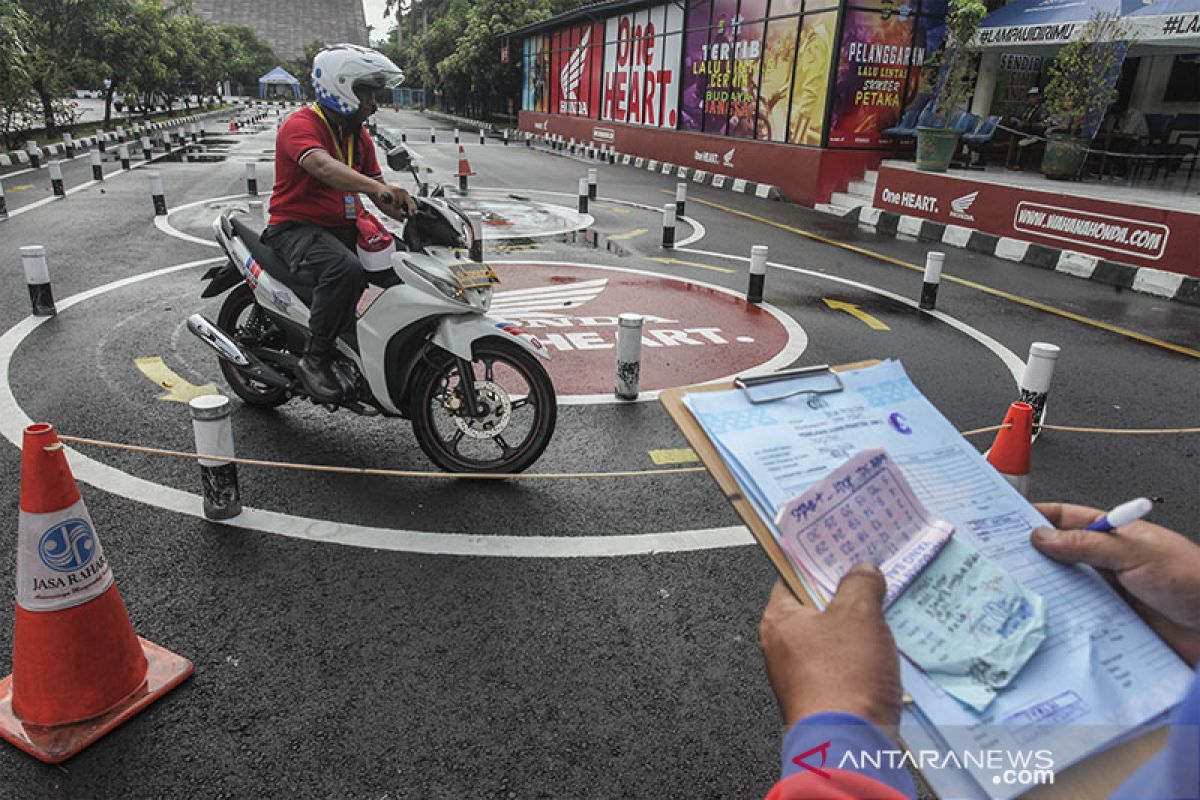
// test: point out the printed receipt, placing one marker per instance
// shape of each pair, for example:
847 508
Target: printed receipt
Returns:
864 511
968 624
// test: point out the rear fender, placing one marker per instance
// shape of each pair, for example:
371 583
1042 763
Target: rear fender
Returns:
221 279
458 332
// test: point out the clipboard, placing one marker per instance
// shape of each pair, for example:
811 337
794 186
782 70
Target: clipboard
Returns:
1093 778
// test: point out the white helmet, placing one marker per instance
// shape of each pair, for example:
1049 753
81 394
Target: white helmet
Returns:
341 67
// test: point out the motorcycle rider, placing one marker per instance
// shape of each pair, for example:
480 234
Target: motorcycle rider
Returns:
324 158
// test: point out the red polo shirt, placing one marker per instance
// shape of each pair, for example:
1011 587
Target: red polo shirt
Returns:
298 196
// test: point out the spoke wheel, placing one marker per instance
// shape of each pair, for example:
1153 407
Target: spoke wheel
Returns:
243 321
518 403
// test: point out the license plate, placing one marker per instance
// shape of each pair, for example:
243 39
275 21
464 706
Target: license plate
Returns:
474 276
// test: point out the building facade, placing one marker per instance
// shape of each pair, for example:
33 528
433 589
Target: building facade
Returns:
289 25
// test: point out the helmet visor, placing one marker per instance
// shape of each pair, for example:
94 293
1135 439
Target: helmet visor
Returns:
380 80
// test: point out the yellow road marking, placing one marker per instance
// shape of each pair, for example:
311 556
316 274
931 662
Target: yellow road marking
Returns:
20 187
617 209
1095 323
684 455
627 234
178 389
692 264
857 313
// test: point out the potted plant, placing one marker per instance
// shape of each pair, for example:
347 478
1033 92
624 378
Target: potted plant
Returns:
949 75
1082 87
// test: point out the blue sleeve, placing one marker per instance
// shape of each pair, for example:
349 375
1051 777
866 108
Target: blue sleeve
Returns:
1173 774
835 740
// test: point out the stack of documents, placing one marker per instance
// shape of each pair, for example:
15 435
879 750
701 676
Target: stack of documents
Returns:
1099 674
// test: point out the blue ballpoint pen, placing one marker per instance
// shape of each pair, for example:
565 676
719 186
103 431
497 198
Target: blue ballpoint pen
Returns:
1122 515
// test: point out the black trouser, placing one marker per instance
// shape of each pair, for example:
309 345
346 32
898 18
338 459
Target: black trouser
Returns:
329 257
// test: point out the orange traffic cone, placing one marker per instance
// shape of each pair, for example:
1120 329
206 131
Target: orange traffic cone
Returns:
233 125
1010 453
79 670
464 169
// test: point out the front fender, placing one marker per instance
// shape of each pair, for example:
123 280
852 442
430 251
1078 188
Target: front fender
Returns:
458 332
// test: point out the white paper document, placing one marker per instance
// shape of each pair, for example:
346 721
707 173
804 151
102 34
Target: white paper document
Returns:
1099 671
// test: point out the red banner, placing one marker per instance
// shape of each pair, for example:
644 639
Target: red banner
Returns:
575 70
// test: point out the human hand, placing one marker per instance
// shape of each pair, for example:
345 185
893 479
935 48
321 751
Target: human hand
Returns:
401 205
839 659
1158 569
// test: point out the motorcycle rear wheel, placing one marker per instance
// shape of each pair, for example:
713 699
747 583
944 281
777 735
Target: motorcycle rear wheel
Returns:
233 320
521 403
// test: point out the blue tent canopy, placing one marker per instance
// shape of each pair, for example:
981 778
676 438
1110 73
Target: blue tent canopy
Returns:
278 77
1174 23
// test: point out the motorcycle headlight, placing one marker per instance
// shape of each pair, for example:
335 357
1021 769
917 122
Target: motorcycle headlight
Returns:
443 283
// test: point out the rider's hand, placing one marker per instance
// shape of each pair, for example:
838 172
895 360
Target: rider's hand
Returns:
1156 568
402 205
839 659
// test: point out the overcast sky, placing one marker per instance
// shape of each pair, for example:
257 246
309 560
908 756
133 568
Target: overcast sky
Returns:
375 18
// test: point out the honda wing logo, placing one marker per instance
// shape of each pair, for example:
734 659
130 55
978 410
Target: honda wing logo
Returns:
570 78
546 301
959 206
728 157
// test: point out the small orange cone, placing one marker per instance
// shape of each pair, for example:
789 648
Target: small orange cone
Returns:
464 169
79 670
232 125
1011 451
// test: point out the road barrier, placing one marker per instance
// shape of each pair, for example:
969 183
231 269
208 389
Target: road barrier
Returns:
758 273
213 430
933 276
37 277
629 355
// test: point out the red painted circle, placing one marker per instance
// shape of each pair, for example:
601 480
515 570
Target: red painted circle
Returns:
691 333
671 119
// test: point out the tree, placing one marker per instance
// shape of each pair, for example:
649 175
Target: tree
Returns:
16 89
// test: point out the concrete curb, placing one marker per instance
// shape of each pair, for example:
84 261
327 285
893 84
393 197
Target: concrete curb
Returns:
14 158
1157 282
717 181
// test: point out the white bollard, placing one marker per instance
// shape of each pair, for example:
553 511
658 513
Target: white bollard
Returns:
3 204
668 231
403 136
476 220
592 177
147 148
482 137
432 136
680 199
506 137
933 277
213 430
1035 381
35 153
56 179
37 276
157 193
456 138
123 153
758 273
97 166
69 144
629 355
583 195
251 179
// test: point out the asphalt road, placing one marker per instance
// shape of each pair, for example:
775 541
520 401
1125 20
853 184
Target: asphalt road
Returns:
330 670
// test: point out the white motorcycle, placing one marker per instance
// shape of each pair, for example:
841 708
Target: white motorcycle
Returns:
423 347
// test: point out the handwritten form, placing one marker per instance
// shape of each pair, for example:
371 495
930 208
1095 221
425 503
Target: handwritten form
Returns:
864 511
1099 669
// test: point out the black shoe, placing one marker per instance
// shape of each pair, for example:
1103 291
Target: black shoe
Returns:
317 375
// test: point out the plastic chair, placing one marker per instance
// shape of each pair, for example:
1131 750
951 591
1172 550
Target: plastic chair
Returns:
980 141
907 126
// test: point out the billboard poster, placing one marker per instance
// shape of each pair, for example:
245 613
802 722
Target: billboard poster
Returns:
721 72
810 80
534 97
641 66
575 70
873 73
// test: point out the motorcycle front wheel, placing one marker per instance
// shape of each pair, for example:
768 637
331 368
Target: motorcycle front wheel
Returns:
244 322
519 407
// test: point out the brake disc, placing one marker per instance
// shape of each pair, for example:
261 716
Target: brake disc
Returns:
497 412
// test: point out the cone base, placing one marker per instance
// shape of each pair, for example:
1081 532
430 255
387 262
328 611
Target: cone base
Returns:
54 744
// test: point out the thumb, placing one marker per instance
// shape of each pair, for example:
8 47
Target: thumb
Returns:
1103 550
863 587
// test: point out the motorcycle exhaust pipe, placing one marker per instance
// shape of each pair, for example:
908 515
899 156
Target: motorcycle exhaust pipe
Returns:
232 352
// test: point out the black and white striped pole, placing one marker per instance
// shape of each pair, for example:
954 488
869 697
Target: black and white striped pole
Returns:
456 137
583 195
1035 381
612 154
680 199
3 204
251 179
35 154
56 179
120 133
403 136
37 276
668 232
476 251
933 276
629 355
482 136
123 153
157 193
97 166
69 144
758 273
100 139
592 177
147 148
432 136
571 146
213 429
194 132
506 137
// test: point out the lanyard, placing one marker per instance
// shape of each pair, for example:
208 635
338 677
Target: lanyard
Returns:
349 142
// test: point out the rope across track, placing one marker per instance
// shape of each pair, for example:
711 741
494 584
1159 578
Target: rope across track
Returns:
644 473
1142 156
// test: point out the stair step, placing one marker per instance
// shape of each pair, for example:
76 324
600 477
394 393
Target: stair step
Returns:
863 189
871 176
848 201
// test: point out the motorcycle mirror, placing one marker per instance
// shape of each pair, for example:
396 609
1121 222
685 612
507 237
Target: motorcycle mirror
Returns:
399 158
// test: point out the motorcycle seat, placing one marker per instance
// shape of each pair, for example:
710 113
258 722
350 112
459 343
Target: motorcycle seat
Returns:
301 283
